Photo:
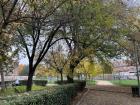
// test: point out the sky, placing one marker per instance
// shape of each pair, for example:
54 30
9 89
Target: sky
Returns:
23 61
132 3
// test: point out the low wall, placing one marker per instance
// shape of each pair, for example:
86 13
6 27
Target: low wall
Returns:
13 78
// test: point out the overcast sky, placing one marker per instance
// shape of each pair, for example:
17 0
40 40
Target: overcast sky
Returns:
132 3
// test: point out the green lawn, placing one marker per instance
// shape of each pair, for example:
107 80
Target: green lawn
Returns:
125 82
90 82
19 89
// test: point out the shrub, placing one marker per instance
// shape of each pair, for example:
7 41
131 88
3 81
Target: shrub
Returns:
36 82
40 82
62 82
23 82
8 83
58 95
80 84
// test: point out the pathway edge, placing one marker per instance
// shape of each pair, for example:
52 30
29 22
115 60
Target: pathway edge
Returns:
83 97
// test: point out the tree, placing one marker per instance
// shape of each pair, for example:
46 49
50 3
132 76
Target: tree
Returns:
9 16
128 26
134 20
85 67
91 32
94 67
37 34
57 60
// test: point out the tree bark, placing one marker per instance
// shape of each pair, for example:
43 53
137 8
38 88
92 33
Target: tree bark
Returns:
30 78
89 76
85 76
2 81
72 66
29 82
70 79
61 73
70 75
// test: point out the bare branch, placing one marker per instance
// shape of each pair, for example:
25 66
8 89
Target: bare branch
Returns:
46 45
9 14
24 43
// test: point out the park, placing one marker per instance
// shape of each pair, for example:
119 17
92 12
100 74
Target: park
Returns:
69 52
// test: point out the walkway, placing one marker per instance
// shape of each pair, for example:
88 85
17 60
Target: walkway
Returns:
109 95
103 83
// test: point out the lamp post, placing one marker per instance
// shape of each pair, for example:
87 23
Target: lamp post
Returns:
136 38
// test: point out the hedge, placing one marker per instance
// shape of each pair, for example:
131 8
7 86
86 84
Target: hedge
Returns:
58 95
80 84
36 82
7 83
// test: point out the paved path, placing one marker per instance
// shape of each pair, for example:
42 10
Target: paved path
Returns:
112 95
103 83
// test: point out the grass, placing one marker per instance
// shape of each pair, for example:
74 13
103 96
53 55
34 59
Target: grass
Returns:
90 82
125 82
19 89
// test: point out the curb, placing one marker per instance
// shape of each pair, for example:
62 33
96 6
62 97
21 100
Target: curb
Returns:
83 97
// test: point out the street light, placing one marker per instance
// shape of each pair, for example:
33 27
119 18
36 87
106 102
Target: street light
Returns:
136 38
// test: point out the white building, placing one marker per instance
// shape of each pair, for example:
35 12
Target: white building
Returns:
122 70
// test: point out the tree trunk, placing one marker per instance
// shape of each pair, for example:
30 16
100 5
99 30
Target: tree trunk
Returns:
57 77
30 78
85 76
72 66
61 73
78 75
2 81
89 77
70 79
70 75
103 75
139 59
29 82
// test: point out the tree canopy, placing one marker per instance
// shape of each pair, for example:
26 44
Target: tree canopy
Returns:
97 30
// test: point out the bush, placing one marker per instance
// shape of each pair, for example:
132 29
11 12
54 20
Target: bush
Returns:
36 82
23 82
8 83
20 89
59 95
62 83
80 84
40 82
